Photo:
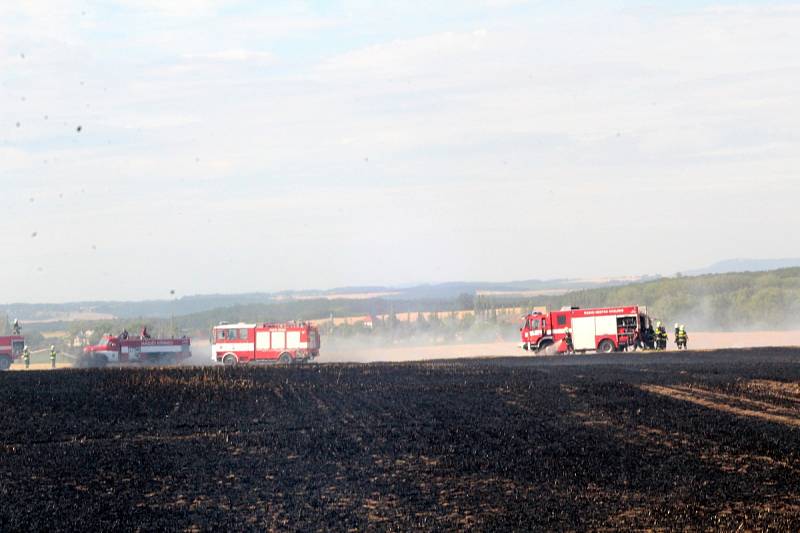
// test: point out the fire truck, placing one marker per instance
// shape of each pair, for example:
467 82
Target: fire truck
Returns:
264 343
115 349
11 347
604 330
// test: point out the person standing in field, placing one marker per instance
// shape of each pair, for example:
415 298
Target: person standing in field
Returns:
52 356
648 338
663 339
681 338
657 336
568 341
16 327
26 357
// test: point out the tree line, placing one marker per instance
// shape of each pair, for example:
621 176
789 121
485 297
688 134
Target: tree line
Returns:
736 301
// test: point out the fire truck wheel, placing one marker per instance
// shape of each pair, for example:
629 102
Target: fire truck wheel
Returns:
606 346
229 360
285 359
5 363
543 346
100 361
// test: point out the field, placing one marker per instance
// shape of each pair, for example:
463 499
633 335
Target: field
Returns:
696 440
396 353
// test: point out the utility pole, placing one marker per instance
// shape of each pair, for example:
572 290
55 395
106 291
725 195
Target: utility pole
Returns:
173 333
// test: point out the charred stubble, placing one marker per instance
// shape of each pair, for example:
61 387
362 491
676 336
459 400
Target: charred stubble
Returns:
667 441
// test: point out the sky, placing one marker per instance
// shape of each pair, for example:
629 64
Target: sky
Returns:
224 146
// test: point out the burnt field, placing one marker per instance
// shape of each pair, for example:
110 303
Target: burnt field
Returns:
692 440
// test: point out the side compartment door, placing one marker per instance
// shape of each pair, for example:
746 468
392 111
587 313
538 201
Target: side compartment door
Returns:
134 353
278 343
17 347
263 345
247 338
606 327
583 337
293 342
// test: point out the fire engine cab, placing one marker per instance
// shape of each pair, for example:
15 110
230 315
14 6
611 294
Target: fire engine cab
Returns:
11 347
604 330
256 343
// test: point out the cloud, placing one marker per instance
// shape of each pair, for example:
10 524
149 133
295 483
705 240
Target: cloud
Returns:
237 55
178 8
445 136
409 57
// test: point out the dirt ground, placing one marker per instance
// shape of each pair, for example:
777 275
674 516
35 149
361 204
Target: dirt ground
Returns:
692 440
697 341
201 349
19 365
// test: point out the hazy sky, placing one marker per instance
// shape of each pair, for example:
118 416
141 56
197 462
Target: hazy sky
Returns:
231 146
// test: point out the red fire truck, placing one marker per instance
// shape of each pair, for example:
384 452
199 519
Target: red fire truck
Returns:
11 347
114 349
605 330
255 343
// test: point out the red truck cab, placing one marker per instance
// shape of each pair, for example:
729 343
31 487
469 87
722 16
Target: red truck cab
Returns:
11 347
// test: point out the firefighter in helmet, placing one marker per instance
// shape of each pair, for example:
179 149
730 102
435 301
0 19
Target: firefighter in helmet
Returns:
681 338
648 337
659 334
662 337
568 341
52 356
26 357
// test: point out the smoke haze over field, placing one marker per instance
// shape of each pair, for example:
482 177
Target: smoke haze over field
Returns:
238 146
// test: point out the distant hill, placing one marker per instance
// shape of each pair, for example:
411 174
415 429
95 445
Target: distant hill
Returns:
200 303
745 265
732 301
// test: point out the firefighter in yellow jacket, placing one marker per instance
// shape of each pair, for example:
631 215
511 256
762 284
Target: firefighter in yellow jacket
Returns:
681 338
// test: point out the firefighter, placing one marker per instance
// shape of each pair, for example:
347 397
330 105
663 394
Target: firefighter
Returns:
145 335
568 341
52 356
124 335
657 335
26 357
649 337
16 327
676 330
662 338
681 338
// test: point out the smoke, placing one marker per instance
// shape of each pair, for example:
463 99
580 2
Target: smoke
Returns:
733 313
201 353
382 345
550 350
